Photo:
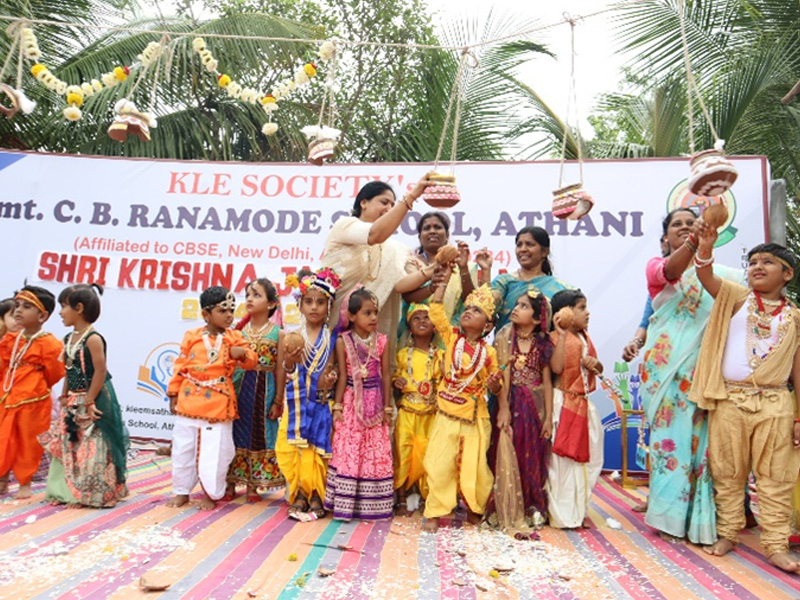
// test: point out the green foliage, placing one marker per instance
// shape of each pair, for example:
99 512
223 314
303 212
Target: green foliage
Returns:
390 103
745 56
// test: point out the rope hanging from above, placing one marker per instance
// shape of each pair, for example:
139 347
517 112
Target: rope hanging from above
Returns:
571 201
25 47
444 193
711 173
323 138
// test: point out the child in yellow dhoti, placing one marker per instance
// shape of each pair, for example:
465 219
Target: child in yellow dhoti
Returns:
749 353
417 376
455 462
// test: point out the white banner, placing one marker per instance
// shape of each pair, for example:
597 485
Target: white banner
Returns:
156 233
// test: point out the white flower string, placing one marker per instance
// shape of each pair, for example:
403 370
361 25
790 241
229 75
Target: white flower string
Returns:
269 101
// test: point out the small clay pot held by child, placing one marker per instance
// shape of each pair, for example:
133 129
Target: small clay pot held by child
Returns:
571 202
446 254
321 149
716 215
565 317
712 174
292 342
443 193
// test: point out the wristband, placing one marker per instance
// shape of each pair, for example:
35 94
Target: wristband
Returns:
409 205
337 406
388 409
797 420
703 262
638 341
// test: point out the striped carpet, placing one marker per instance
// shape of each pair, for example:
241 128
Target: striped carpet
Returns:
245 550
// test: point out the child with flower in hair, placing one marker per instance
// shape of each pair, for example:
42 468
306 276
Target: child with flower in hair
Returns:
524 348
416 377
577 453
202 395
455 461
303 447
360 475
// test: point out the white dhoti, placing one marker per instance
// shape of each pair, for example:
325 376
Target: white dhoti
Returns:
570 483
201 451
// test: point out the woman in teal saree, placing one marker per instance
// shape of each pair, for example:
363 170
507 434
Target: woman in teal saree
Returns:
533 251
681 498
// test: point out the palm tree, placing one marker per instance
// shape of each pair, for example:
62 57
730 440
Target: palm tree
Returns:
391 104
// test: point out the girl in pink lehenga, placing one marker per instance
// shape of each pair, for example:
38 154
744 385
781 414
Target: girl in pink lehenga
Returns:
360 473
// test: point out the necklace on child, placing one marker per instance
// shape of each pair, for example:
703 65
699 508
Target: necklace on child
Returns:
424 387
460 377
253 333
16 358
72 345
522 357
759 329
315 354
212 352
361 343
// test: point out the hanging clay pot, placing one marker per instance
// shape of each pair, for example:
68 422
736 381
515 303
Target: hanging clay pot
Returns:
18 101
571 202
443 193
712 174
320 149
130 121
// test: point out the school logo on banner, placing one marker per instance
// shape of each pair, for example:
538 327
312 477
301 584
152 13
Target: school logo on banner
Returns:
681 197
155 373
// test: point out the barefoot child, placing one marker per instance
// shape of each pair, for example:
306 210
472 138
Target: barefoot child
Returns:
201 394
748 355
455 462
30 365
525 347
304 437
88 444
360 475
417 376
577 453
256 429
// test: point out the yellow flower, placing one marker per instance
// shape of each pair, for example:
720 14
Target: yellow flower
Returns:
268 99
223 80
37 68
494 573
310 69
292 280
121 73
292 557
74 99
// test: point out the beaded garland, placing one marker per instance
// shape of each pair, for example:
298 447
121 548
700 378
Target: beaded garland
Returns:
759 328
460 377
16 358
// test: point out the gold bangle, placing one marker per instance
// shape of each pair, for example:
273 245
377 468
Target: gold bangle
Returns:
409 206
388 409
337 406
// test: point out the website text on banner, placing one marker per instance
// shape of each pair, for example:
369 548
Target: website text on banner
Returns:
156 233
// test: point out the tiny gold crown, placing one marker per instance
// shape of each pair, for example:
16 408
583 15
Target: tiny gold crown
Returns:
482 298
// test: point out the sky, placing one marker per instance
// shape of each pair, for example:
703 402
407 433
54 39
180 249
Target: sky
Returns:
597 66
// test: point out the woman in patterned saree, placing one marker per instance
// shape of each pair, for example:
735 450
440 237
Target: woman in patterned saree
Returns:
681 498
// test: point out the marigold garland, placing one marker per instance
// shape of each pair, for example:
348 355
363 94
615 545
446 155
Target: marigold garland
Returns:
76 94
269 102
